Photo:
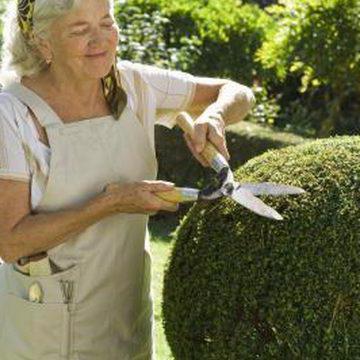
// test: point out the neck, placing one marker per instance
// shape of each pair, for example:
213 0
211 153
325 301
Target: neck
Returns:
85 92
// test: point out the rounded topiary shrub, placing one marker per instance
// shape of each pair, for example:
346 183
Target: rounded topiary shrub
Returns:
239 286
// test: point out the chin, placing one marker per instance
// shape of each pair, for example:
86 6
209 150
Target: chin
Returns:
101 71
98 72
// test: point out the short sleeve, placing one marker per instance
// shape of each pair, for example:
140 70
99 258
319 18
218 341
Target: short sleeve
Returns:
13 164
173 89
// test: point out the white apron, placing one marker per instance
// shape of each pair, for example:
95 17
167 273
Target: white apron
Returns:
108 315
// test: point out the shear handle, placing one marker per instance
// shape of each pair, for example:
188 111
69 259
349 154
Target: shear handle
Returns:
210 153
179 195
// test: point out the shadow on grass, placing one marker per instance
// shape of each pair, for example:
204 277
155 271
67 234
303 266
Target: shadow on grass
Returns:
163 225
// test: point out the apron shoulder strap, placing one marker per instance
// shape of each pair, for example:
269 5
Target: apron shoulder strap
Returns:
43 112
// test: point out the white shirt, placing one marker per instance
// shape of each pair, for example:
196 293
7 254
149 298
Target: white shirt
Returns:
154 94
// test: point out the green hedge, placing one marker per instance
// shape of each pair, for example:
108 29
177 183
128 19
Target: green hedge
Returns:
239 286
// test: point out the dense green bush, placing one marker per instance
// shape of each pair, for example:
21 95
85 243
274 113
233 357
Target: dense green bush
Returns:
266 109
318 43
239 286
209 38
144 38
213 38
303 53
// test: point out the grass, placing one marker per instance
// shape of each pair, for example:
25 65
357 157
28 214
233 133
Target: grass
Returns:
161 245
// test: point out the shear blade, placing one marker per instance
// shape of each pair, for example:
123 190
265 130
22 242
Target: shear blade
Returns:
267 188
245 198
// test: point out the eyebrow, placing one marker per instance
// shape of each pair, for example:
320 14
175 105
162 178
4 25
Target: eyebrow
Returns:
81 23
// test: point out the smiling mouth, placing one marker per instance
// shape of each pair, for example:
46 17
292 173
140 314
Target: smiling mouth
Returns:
98 55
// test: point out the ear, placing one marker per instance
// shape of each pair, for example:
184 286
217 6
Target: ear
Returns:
44 47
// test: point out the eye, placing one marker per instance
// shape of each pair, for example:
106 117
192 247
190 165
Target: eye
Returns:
108 24
79 32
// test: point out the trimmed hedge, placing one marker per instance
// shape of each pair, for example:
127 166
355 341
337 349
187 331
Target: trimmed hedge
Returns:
239 286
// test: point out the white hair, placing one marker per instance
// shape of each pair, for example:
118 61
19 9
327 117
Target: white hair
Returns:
20 57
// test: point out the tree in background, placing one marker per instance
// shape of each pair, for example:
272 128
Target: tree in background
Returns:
315 52
302 57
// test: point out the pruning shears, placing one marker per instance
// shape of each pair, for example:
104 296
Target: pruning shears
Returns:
244 194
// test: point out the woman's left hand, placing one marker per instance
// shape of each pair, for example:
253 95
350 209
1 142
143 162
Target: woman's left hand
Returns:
208 126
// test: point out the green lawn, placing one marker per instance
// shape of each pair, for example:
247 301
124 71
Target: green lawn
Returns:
161 244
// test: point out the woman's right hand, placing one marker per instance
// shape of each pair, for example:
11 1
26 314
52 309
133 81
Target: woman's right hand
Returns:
138 197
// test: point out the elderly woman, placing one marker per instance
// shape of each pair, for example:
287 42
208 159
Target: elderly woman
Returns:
78 179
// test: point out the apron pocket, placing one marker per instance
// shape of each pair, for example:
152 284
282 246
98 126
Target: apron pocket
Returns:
32 330
52 285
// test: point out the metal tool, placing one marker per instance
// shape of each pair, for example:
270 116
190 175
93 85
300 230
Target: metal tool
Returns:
225 185
36 293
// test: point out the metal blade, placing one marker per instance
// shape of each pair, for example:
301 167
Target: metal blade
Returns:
245 198
267 188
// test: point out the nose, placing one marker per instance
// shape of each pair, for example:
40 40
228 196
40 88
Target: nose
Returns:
96 37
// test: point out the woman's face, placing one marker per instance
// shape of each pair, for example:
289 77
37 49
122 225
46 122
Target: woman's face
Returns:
83 42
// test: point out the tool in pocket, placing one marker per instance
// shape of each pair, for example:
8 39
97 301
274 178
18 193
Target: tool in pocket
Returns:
244 194
36 293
